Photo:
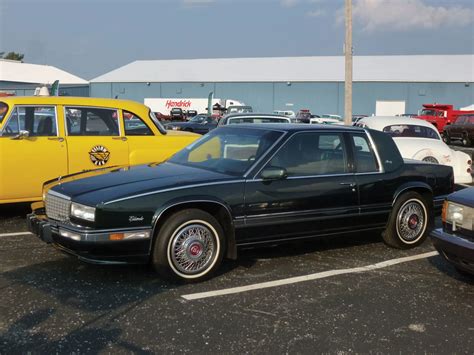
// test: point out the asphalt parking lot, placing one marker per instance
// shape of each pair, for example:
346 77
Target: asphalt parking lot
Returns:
52 303
348 294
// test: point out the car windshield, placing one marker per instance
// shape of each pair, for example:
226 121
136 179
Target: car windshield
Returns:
405 130
198 118
3 111
226 150
257 119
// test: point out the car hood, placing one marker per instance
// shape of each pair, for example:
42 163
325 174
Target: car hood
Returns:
122 182
463 197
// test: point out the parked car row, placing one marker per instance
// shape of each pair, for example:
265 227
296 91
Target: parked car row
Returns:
116 187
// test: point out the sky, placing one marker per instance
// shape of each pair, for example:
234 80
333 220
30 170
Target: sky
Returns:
91 37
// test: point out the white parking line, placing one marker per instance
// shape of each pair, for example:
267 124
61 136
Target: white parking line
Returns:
318 275
14 234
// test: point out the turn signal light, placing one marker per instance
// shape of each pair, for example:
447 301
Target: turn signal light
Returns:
116 236
444 211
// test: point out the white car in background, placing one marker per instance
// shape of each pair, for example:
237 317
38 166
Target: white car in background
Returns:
420 140
327 119
287 113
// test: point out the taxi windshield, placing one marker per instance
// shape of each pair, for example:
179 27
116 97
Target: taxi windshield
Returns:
3 111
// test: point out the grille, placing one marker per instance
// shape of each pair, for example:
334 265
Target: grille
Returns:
57 207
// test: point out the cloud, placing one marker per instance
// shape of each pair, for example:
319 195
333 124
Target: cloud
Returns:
405 15
289 3
316 13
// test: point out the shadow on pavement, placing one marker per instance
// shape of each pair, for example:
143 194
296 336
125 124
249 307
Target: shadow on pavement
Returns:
446 268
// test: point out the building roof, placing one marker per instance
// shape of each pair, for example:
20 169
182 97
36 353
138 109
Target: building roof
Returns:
12 70
397 68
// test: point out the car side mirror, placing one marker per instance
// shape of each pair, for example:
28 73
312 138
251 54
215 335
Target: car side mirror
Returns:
22 135
274 174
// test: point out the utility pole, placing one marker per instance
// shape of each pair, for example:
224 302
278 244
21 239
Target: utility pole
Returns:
348 66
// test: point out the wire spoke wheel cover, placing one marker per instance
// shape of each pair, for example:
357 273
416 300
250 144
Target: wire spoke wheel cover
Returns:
193 248
411 221
431 160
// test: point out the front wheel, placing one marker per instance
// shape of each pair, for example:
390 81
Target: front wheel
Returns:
409 222
189 246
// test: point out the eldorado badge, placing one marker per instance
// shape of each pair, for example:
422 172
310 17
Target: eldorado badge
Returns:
99 155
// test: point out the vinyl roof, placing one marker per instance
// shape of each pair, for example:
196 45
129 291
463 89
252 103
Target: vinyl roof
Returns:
397 68
11 70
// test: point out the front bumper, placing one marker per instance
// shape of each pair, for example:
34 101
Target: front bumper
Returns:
458 251
91 246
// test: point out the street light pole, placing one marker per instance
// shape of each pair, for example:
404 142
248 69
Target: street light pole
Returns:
348 65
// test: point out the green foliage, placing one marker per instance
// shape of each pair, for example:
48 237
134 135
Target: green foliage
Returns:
14 56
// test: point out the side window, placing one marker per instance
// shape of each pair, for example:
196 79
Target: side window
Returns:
39 121
363 155
91 121
309 154
134 125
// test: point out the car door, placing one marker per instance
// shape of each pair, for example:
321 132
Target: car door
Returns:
32 151
94 139
377 161
318 196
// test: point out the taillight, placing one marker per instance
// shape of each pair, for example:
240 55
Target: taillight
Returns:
443 212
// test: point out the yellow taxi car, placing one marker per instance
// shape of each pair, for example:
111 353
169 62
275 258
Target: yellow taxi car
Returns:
42 138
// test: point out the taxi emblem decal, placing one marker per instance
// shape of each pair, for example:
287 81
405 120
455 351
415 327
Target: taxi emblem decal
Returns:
99 155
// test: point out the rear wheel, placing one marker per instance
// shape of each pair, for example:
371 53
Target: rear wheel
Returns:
189 246
409 222
430 159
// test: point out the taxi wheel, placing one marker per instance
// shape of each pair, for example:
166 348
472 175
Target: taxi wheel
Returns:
409 223
189 246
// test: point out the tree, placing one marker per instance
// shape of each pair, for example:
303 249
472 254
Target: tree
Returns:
14 56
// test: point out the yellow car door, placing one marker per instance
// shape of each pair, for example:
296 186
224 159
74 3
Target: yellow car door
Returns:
32 151
94 138
146 144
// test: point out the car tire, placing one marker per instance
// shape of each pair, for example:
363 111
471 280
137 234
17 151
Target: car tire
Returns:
409 223
446 138
430 159
466 141
189 246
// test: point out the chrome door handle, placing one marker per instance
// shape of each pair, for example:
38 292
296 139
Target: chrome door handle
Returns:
120 138
59 139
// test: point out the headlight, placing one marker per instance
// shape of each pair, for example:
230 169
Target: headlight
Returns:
83 212
176 128
458 215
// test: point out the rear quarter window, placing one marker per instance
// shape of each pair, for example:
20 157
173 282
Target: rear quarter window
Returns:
388 152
